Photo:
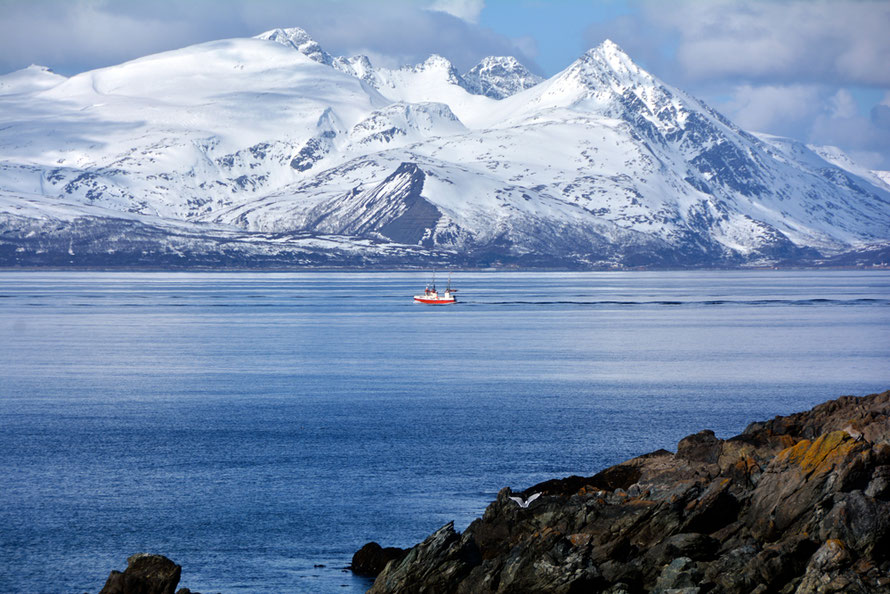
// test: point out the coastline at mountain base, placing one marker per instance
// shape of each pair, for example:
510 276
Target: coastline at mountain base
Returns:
799 504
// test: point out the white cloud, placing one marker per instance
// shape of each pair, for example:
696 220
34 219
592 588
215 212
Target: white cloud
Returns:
856 135
815 114
777 109
50 34
527 45
843 105
467 10
75 35
846 42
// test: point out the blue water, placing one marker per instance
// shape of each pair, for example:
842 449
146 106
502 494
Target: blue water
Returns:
253 426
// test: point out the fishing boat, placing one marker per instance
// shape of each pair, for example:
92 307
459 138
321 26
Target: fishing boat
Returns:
432 297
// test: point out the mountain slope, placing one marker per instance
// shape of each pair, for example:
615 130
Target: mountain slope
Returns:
272 137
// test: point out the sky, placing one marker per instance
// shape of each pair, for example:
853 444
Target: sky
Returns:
814 70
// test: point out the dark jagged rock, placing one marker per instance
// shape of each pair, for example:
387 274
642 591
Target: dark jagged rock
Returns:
799 504
701 447
145 574
372 558
435 565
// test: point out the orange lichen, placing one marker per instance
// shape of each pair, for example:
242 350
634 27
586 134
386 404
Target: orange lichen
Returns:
545 533
795 453
785 440
639 502
746 465
821 454
580 539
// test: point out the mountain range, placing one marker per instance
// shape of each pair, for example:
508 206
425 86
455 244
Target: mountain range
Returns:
271 152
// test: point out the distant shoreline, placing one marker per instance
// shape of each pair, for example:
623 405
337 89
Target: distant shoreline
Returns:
199 269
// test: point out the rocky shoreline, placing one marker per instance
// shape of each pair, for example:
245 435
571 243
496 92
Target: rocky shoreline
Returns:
799 504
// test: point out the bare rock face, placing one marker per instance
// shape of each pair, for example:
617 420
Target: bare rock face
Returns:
799 504
443 559
145 574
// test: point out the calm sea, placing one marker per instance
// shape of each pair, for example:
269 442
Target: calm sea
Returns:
259 428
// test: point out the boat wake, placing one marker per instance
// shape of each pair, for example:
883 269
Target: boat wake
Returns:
692 303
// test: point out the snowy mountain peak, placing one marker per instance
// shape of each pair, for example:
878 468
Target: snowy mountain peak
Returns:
609 59
602 75
505 61
437 63
435 67
612 50
499 77
298 39
30 79
357 66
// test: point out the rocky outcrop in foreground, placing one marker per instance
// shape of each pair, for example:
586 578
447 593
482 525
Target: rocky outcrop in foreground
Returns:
799 504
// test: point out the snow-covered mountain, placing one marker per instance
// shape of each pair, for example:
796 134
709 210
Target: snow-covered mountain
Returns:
29 80
270 151
499 77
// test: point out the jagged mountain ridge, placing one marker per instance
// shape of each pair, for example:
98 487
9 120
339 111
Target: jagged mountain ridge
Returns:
499 77
496 77
600 165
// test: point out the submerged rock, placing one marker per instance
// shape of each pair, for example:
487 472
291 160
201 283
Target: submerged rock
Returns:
797 504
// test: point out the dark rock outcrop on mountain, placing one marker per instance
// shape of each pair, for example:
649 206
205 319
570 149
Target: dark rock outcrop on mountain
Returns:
146 574
394 209
799 504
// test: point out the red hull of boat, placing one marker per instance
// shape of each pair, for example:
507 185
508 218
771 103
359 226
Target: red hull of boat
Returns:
434 301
